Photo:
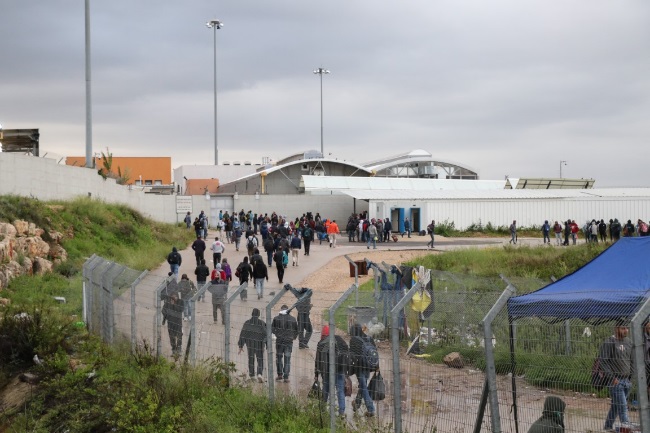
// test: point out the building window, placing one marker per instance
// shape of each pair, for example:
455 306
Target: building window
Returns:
157 182
148 182
138 182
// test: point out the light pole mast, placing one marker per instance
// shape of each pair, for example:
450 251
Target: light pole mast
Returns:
561 164
89 109
320 71
215 25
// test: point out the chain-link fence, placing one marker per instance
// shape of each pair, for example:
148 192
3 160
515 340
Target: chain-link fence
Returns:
429 328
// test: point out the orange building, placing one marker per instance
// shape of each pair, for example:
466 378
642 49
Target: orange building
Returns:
141 170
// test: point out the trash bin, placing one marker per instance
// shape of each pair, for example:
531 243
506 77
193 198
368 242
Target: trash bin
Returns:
361 265
361 315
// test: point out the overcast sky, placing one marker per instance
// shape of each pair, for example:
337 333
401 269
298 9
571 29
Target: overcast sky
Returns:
505 87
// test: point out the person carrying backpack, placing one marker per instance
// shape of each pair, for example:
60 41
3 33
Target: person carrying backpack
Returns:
322 363
307 235
251 244
269 247
278 258
365 359
244 272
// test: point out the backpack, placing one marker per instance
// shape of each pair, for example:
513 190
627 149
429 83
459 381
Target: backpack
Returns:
285 258
369 354
278 257
260 267
251 243
268 244
307 233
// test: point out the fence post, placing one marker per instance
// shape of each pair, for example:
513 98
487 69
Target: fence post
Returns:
134 325
491 373
394 347
193 337
269 341
157 322
226 315
639 359
332 354
356 278
106 301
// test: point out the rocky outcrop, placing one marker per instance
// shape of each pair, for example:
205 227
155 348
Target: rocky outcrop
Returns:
24 252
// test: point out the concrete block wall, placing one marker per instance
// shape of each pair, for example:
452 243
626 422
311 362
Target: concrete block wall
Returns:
44 179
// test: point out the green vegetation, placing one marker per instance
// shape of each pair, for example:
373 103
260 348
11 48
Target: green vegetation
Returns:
86 386
448 229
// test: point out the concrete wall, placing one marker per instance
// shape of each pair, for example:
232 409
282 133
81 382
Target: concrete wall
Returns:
43 179
338 207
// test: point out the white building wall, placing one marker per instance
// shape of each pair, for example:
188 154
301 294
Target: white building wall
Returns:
527 212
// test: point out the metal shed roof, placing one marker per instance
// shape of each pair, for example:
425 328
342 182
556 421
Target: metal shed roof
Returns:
312 183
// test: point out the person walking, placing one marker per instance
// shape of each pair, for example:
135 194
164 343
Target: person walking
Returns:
372 236
332 233
615 357
552 419
217 248
244 272
296 246
557 229
303 306
285 328
174 259
546 232
260 273
407 227
187 290
431 229
199 249
219 290
307 235
513 232
202 273
388 228
321 367
172 313
278 258
253 335
361 368
188 220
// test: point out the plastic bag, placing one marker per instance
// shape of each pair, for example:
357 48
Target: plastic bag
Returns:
315 391
377 387
348 386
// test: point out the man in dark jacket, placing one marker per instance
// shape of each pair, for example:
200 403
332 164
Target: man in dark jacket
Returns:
285 328
253 335
278 258
199 249
360 368
321 367
269 247
307 235
552 419
174 259
260 272
303 305
173 314
202 273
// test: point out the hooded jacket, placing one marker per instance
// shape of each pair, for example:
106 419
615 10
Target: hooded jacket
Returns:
253 333
552 419
285 328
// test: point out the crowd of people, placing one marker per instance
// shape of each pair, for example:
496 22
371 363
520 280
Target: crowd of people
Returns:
593 231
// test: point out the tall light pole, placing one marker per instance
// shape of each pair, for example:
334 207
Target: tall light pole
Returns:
215 25
89 109
320 71
561 164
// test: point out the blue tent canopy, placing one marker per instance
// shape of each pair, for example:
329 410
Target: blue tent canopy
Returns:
613 285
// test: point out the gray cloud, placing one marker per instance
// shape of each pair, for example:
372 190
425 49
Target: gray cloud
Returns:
506 87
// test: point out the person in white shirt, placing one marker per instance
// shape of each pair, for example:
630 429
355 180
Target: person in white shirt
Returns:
217 249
